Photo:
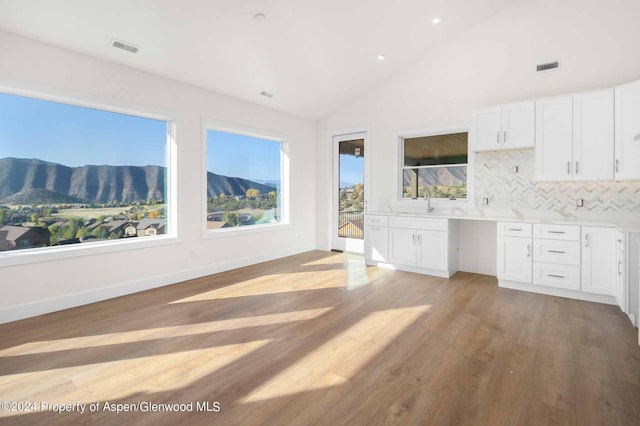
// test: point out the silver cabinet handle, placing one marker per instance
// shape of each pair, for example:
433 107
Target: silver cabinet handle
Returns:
617 165
419 240
556 232
568 167
619 265
413 237
586 240
498 137
556 276
557 251
504 137
576 167
514 229
528 250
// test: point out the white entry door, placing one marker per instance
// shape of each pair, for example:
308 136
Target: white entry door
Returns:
348 193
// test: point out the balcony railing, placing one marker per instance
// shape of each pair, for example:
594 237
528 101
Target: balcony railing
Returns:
351 224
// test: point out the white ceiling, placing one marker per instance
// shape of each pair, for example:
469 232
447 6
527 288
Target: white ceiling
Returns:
314 55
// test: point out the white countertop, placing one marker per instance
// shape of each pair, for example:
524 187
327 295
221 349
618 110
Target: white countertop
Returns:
624 224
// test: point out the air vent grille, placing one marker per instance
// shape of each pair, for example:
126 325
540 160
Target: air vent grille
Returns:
124 46
548 66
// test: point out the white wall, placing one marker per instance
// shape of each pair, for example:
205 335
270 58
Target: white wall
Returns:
494 62
36 288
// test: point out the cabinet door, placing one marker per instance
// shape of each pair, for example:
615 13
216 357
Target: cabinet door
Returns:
514 259
487 129
376 243
593 136
621 282
432 249
554 139
402 246
598 260
518 125
627 134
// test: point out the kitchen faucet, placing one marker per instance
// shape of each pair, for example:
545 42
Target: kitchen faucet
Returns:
427 196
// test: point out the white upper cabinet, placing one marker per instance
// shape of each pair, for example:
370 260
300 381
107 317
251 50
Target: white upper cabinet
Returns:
574 137
593 136
509 126
554 139
627 133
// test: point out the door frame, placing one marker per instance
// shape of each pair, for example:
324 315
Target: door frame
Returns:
335 242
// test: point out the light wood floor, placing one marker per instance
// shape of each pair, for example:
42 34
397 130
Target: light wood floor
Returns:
320 339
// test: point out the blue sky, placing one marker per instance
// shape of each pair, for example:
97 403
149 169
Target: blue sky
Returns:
351 169
247 157
76 136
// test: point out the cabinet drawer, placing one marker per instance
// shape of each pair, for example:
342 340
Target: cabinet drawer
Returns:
556 251
422 223
376 220
558 276
514 229
557 232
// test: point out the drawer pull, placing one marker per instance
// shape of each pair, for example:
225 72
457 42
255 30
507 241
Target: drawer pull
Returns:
514 229
556 276
557 251
556 232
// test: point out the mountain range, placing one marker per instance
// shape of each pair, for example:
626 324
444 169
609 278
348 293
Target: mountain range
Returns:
28 181
439 176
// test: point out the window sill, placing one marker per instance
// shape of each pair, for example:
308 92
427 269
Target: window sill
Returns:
47 254
244 230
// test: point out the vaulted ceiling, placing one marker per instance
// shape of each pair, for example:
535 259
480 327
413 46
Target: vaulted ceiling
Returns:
313 56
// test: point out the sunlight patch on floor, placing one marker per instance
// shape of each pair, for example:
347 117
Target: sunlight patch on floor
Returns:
106 381
83 342
377 330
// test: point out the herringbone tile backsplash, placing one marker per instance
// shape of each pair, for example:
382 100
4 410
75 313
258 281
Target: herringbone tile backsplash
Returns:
505 188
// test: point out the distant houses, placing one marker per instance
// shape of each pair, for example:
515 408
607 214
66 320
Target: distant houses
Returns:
19 237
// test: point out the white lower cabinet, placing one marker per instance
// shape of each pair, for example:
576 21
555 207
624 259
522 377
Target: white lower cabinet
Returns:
376 245
418 244
583 262
514 252
599 254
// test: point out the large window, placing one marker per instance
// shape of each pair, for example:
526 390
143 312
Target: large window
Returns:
245 180
72 175
437 164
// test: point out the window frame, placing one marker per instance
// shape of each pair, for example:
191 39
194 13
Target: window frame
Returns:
435 131
53 253
221 126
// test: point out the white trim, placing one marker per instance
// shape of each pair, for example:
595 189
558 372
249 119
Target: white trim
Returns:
14 313
559 292
434 131
335 138
239 129
44 254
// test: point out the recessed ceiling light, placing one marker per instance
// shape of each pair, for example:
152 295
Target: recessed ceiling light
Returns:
436 20
381 58
259 17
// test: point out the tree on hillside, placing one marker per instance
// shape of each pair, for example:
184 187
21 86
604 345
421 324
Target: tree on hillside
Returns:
253 193
231 218
3 216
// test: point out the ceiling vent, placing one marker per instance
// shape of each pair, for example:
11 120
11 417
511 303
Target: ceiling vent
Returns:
548 66
124 45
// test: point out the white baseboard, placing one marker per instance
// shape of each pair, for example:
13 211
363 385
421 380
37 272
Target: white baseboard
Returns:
40 307
560 292
415 269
